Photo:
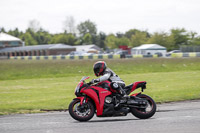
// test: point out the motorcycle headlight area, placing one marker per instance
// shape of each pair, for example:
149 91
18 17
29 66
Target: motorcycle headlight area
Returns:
77 89
108 99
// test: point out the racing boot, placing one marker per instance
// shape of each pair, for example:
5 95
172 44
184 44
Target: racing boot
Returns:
123 93
124 97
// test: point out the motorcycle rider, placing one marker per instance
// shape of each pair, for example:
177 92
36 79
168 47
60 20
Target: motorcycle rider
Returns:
100 69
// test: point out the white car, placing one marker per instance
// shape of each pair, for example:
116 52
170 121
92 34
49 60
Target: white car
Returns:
173 51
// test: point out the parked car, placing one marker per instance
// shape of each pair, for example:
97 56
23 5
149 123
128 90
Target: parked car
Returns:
122 53
173 51
159 54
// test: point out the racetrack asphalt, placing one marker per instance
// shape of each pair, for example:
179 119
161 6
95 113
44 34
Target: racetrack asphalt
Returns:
175 117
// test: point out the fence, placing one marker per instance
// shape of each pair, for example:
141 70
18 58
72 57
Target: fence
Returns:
192 54
190 48
63 57
110 56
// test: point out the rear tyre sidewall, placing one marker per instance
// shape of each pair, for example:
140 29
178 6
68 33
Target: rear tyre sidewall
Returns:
142 115
79 118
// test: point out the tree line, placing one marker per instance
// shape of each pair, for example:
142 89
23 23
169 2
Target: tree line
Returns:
86 33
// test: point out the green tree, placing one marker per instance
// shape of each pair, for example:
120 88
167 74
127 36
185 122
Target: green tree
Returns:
193 38
15 32
63 38
123 41
196 41
33 34
87 39
43 37
181 37
132 32
110 41
163 39
119 35
101 37
28 39
2 29
88 27
138 38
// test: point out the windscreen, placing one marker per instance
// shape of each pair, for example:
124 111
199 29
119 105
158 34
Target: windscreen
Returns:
84 78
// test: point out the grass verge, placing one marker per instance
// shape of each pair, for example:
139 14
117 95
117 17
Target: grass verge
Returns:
32 69
34 95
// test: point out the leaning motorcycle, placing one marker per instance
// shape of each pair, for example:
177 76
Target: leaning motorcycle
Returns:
101 99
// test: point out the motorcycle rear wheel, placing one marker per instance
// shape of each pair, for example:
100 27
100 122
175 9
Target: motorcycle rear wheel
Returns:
145 113
81 112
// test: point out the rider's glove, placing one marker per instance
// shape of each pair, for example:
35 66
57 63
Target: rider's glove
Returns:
94 81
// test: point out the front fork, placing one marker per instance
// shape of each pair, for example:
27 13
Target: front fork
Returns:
83 99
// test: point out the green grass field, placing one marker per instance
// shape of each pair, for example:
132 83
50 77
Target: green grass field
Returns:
32 86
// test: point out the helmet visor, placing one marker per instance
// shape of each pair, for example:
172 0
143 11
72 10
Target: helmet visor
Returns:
97 71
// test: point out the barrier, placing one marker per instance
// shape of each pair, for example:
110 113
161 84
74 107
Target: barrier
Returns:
179 55
67 57
141 56
109 56
63 57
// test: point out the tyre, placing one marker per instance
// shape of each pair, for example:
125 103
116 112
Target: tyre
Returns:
81 112
147 112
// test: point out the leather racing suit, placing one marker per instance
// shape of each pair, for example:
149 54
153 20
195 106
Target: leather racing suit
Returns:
116 83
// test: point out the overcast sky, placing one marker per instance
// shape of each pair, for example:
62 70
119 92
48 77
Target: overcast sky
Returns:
110 16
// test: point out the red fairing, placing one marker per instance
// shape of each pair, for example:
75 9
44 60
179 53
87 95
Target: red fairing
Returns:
108 83
81 99
98 95
135 85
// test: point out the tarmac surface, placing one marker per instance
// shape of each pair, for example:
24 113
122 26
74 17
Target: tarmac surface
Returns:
176 117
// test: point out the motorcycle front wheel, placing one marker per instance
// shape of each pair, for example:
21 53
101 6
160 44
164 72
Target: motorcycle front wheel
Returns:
146 113
80 112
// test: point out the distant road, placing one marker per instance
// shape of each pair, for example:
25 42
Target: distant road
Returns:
178 117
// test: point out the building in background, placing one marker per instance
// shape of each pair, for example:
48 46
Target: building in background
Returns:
7 40
88 48
38 50
12 46
149 49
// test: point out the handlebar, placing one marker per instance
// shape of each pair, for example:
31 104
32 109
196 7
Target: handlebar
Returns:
89 83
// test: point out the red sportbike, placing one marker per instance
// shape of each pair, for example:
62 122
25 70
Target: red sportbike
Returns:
101 99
